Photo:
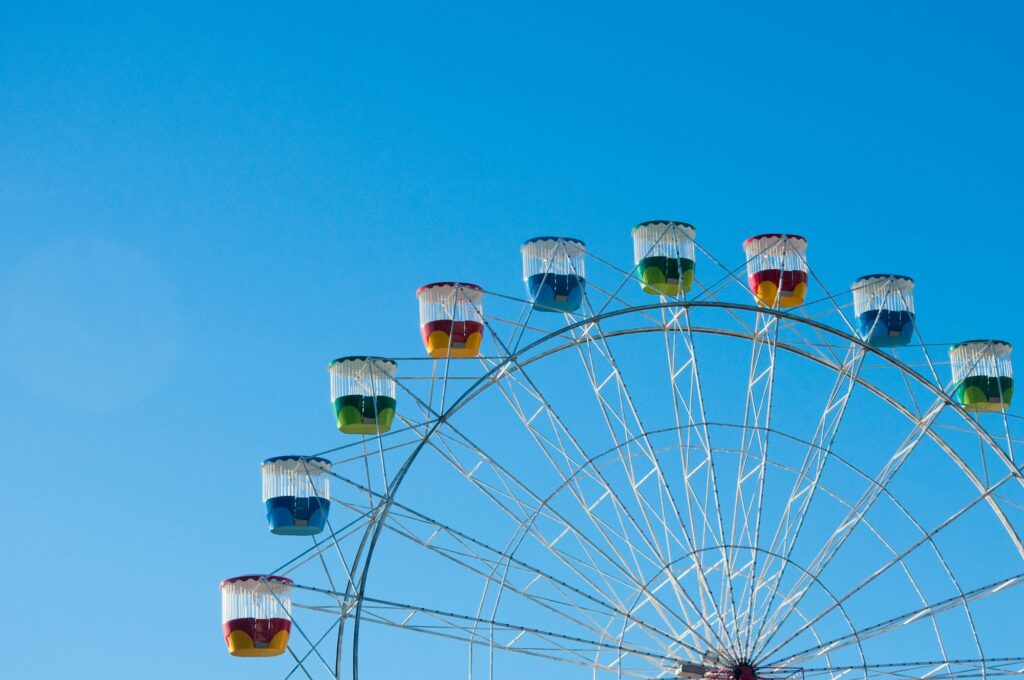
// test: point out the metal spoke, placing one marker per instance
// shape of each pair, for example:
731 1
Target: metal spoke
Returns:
806 482
708 504
922 614
955 668
924 540
752 466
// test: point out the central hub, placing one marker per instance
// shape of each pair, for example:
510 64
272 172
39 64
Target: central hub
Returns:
744 672
740 672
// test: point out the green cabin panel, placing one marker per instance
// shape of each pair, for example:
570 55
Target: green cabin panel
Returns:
985 393
359 414
661 275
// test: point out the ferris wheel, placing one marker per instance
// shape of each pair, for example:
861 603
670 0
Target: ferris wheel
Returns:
632 471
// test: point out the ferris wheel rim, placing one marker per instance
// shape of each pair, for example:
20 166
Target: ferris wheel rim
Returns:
496 372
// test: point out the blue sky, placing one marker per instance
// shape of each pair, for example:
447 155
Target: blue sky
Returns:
199 206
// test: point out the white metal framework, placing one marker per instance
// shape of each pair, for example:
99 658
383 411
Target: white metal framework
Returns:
662 488
295 476
363 376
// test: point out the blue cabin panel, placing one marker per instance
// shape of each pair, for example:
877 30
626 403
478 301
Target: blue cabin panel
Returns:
886 328
294 516
556 292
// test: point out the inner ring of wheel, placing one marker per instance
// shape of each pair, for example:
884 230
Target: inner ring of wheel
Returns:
627 616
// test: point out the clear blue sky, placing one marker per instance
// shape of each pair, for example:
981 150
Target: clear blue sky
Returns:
200 205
